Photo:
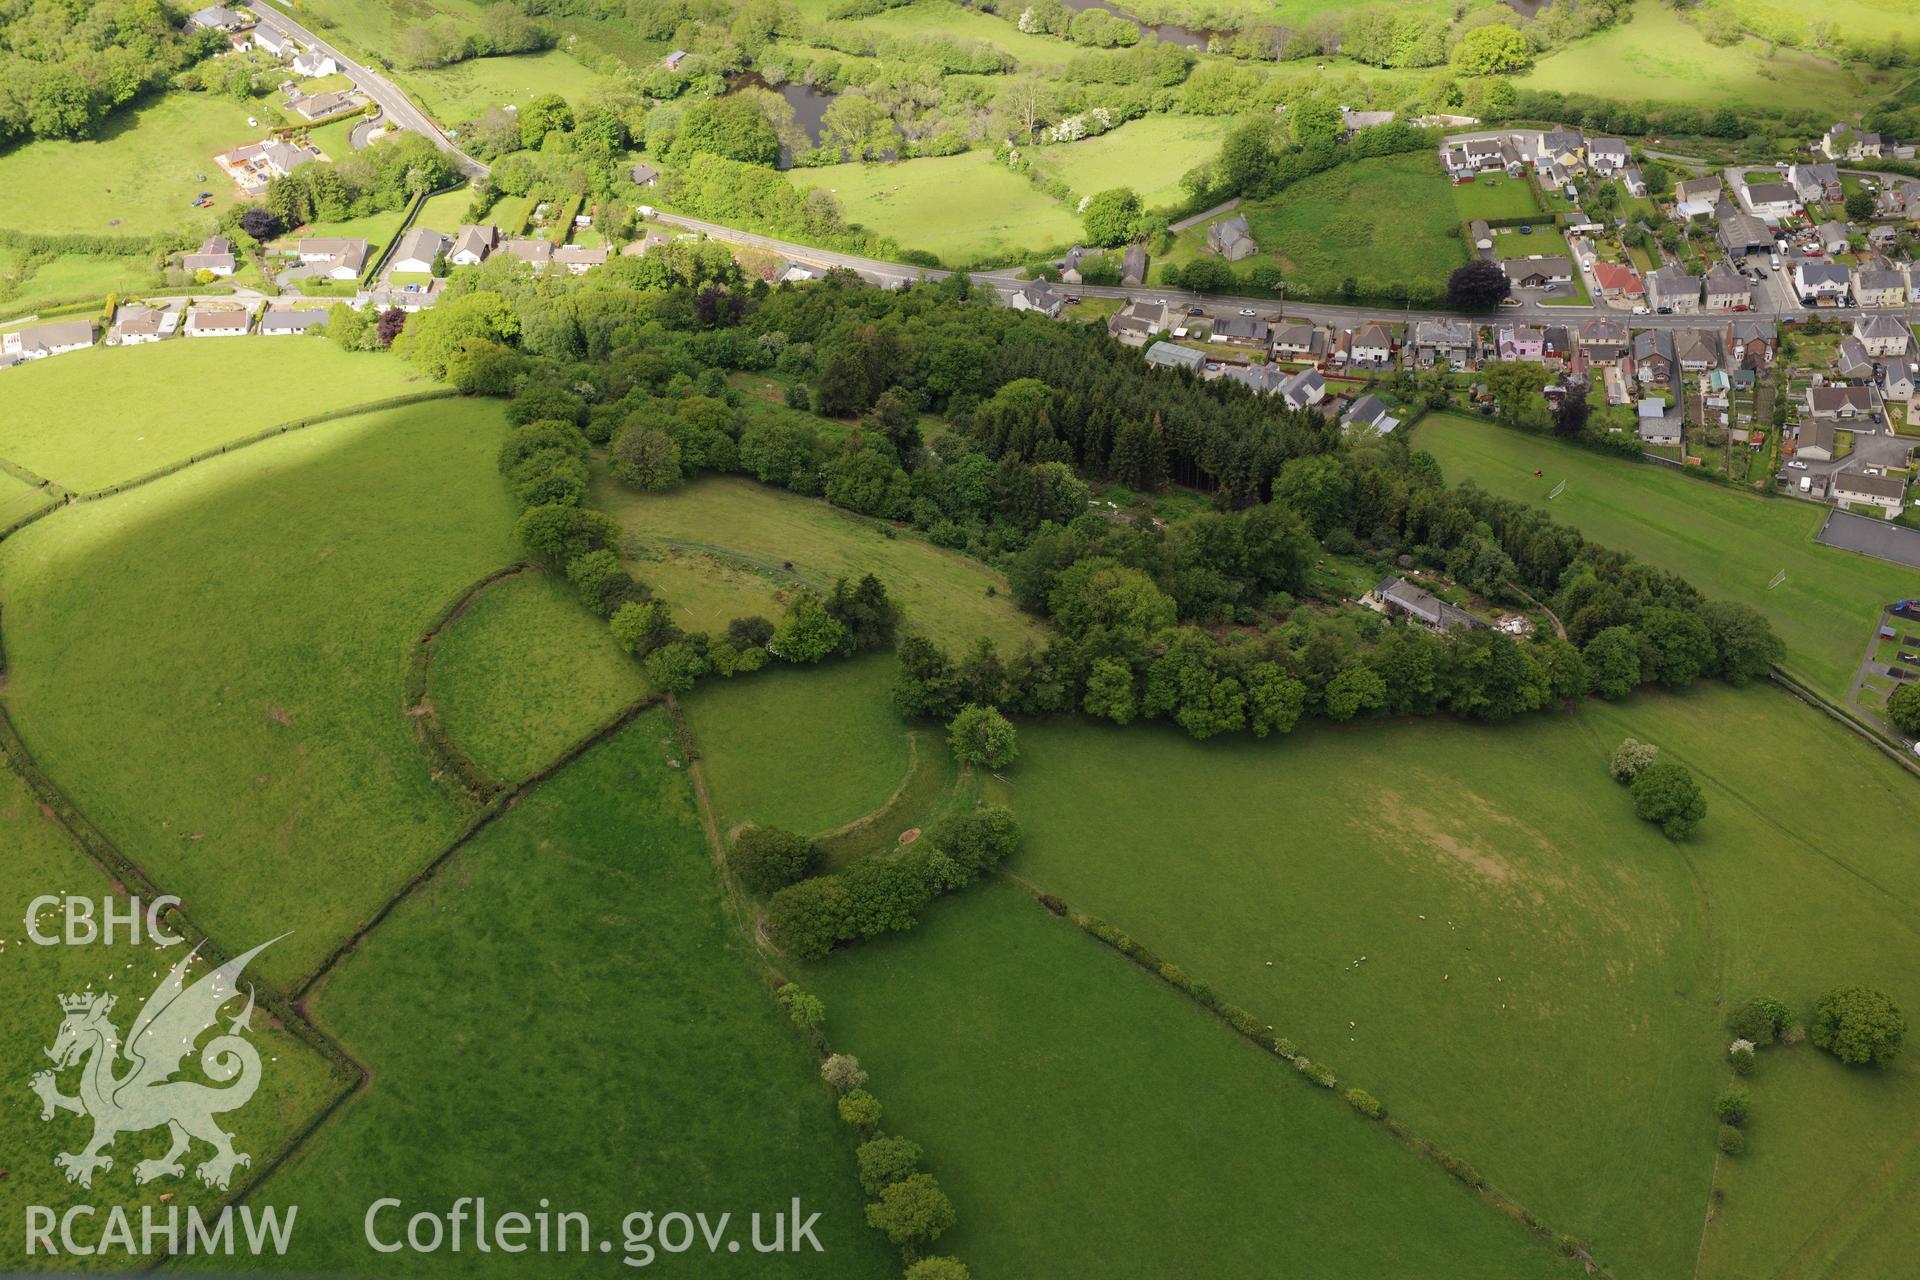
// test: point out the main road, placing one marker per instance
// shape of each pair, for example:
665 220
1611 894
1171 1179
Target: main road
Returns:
399 109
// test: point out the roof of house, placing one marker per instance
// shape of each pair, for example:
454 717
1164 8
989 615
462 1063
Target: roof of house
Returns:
1745 331
1294 333
332 247
1885 487
1134 261
1263 378
1305 381
1852 357
1771 193
1744 229
60 333
1673 282
1827 399
477 240
1039 294
1650 344
1169 356
1443 333
530 250
1651 407
1879 327
1831 231
1372 334
1696 188
301 318
1230 229
643 173
1694 345
1600 329
208 318
1814 271
1722 280
422 244
1424 605
1366 411
1547 268
1248 327
579 255
1879 278
134 319
1607 147
1616 278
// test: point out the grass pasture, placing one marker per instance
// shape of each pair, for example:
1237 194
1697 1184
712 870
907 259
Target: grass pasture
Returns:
761 529
296 1082
612 974
467 90
138 177
1728 543
258 739
69 277
1089 1120
1554 922
1148 155
961 208
238 388
525 672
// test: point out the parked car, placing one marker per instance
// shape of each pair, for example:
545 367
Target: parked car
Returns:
1526 230
1798 466
1665 311
1247 311
1640 310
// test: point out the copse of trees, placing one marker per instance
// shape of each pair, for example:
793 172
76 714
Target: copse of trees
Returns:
383 176
66 65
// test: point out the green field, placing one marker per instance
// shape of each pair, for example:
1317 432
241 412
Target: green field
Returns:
467 90
1728 543
760 529
945 18
138 177
70 277
525 672
1793 23
1088 1120
254 735
1659 57
1494 197
295 1080
1379 222
228 390
1148 155
748 728
961 208
619 1054
1518 925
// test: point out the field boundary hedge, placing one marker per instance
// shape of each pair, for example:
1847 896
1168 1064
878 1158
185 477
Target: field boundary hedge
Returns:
1820 702
128 877
444 755
268 433
495 808
1362 1101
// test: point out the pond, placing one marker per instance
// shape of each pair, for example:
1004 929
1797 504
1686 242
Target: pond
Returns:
809 105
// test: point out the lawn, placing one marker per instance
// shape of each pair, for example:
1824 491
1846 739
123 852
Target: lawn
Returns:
525 672
1518 926
1494 197
761 529
963 208
138 177
1380 222
295 1081
1148 155
1659 57
564 1015
1095 1122
748 728
467 90
238 388
1728 543
245 728
446 212
377 229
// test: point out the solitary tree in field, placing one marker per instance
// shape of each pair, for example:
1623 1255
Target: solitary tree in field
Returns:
1478 286
1858 1024
981 735
1665 793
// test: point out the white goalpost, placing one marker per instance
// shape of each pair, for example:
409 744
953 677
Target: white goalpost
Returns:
1557 491
1778 578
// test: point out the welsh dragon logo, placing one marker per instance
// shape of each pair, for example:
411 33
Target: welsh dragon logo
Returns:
146 1095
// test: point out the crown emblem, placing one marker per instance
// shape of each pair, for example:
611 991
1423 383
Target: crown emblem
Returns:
81 1001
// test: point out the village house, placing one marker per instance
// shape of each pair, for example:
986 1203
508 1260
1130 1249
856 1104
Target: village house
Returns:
472 244
1620 283
1608 156
1304 389
578 259
1298 340
1769 199
1139 320
1467 156
1520 342
217 322
787 272
1897 378
1398 598
215 257
1726 289
1816 181
1231 238
1564 147
337 258
673 60
643 175
1602 341
1857 488
286 321
1369 413
418 250
45 340
1354 121
1698 190
1844 404
1635 182
1821 284
276 43
1654 424
1844 142
1816 440
1752 342
1742 235
319 106
1444 342
1882 238
1070 265
1263 379
533 251
313 64
217 18
1165 355
1882 335
1537 273
256 164
1879 287
1653 357
1833 237
1037 295
1695 350
1133 266
135 326
1854 362
1556 342
1371 347
1671 291
1242 331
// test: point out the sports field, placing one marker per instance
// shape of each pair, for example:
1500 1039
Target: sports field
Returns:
139 176
762 529
1728 543
1089 1120
1658 57
594 914
1148 155
238 387
1452 912
213 665
525 672
296 1081
960 208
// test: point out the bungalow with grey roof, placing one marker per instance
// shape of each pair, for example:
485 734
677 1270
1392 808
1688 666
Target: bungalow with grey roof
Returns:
1769 199
1857 488
1816 439
1834 237
472 244
217 18
1695 350
643 175
1139 320
419 249
1304 389
579 259
45 340
135 326
1844 404
1537 273
1655 424
1703 189
286 321
217 322
1398 598
1243 331
215 257
1299 340
1369 412
532 250
1166 355
313 64
336 257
